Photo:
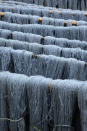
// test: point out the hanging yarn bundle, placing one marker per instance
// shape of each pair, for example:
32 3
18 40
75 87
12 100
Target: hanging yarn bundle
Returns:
43 65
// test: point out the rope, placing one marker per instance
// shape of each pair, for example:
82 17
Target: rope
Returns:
63 126
35 126
6 96
11 120
15 120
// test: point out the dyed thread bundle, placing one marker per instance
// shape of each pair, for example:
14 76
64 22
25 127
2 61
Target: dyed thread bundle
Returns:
29 19
62 89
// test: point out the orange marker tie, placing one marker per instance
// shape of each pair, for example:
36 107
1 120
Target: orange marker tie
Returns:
65 23
85 14
51 11
74 23
40 19
34 56
2 14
